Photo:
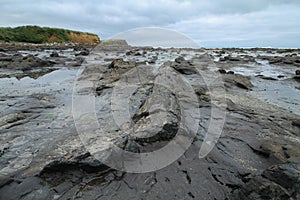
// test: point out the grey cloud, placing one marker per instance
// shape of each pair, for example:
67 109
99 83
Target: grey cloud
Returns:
226 22
275 26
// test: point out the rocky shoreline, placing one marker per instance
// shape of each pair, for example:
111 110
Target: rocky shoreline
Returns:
43 157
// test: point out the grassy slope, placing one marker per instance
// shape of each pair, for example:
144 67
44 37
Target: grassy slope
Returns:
36 34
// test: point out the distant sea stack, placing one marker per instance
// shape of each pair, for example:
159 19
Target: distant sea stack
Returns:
39 35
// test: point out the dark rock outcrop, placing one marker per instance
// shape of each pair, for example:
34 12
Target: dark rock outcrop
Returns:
84 52
184 67
54 54
276 182
237 80
24 62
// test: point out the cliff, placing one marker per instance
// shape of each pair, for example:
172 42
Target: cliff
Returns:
36 34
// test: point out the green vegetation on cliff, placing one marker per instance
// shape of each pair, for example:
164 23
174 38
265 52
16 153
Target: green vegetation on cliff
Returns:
36 34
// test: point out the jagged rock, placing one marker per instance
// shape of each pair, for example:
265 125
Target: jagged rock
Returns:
3 50
230 58
29 188
222 59
267 78
184 67
153 60
237 80
117 63
137 54
288 61
275 60
179 59
276 182
84 162
297 77
6 58
54 55
10 120
149 124
222 71
248 58
114 42
83 52
26 62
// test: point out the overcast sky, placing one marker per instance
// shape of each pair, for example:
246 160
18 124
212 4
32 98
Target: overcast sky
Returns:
212 23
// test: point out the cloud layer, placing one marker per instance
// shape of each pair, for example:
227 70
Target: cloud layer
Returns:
212 23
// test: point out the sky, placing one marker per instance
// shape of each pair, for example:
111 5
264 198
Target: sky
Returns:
210 23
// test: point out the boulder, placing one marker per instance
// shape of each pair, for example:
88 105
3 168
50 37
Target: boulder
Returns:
20 62
275 60
183 66
3 50
297 77
222 71
118 64
230 58
180 59
237 80
83 52
54 54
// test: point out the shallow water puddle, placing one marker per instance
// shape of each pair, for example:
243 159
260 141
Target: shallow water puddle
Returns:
278 93
281 92
54 80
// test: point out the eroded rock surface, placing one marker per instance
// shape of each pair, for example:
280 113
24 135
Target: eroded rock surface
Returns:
42 155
